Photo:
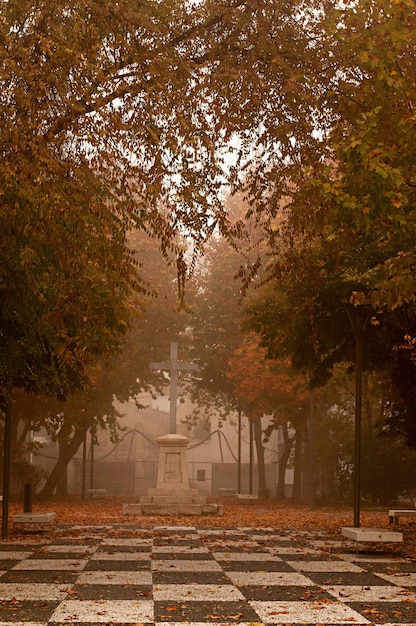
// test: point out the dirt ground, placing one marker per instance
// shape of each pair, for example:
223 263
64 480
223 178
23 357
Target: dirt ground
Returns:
268 513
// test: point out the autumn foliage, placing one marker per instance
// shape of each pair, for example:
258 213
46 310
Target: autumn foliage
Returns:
115 119
265 386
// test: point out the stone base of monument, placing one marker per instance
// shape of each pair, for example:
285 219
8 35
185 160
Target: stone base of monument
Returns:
172 495
172 508
172 502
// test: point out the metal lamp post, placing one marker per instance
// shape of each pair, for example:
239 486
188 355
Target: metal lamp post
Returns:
359 317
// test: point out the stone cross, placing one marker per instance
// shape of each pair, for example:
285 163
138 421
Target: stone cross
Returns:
173 367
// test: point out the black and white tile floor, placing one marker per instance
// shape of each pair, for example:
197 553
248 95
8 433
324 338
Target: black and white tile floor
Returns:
173 575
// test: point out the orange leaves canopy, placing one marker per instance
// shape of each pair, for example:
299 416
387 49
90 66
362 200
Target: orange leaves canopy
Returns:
265 386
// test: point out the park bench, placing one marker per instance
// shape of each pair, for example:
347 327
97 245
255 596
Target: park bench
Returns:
371 535
394 514
96 492
247 498
34 519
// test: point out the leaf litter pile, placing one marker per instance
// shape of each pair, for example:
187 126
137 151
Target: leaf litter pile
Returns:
263 513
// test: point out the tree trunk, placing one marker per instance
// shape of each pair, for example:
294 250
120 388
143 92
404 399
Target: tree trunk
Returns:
297 475
283 461
62 481
66 453
261 469
22 436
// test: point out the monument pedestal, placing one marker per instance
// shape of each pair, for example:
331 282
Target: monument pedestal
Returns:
172 495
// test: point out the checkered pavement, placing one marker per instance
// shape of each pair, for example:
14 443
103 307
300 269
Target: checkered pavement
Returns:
172 576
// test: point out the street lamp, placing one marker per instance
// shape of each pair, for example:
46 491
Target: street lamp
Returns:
359 316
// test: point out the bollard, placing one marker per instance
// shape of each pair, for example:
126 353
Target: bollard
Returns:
27 498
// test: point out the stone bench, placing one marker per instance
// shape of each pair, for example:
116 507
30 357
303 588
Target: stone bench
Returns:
226 492
371 535
96 492
34 519
247 498
394 514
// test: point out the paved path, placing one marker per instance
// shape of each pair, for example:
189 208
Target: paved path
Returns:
184 575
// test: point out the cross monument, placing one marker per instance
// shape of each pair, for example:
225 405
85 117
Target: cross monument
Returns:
174 367
173 493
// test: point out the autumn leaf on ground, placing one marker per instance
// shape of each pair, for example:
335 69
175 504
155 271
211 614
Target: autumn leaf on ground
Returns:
277 612
266 512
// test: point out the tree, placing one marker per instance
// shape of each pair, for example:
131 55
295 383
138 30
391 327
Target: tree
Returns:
216 301
90 147
115 118
343 175
371 190
266 387
342 215
66 422
125 375
386 467
111 119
